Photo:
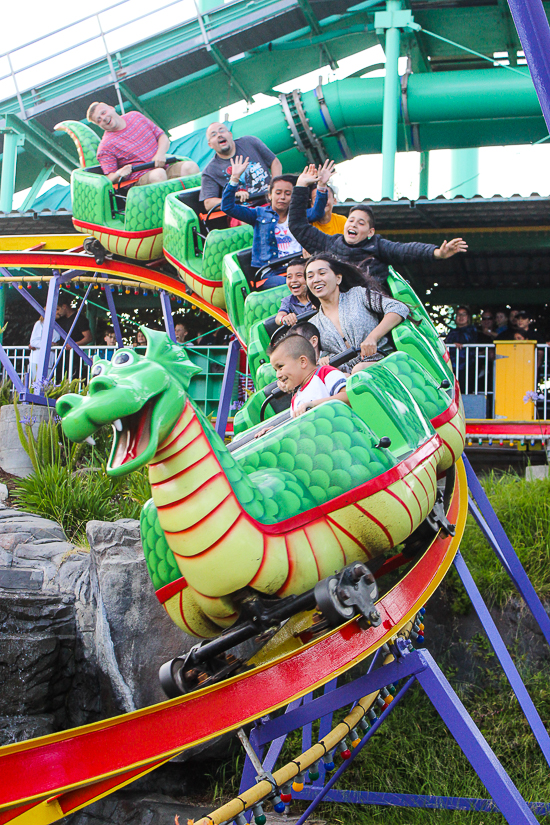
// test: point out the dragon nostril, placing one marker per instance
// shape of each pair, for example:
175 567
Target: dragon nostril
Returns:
64 406
102 382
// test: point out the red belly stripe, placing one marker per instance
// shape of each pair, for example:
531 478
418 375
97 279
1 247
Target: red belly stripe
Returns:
198 522
347 533
400 500
290 568
189 495
319 577
264 557
211 546
378 524
181 473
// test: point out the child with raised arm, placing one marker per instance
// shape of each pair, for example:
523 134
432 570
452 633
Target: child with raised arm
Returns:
359 243
272 238
293 359
298 301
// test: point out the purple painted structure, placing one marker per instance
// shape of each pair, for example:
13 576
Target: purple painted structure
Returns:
418 665
534 34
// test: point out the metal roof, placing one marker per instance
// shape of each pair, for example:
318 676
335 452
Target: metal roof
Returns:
405 215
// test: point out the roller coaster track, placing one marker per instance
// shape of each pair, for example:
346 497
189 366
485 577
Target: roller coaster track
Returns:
16 254
42 780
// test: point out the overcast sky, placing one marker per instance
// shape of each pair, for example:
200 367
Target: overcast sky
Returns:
502 170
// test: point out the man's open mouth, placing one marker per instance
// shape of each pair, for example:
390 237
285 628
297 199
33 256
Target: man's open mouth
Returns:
132 434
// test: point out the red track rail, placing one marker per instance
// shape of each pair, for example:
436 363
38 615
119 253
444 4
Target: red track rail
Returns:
75 767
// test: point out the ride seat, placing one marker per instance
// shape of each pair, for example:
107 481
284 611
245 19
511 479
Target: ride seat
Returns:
244 257
190 197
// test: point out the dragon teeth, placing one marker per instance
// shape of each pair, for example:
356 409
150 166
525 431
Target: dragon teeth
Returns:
118 425
91 440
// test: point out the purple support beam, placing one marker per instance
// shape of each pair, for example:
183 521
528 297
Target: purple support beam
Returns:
409 800
167 314
114 316
508 666
227 387
495 534
13 376
534 34
68 338
325 790
40 309
472 743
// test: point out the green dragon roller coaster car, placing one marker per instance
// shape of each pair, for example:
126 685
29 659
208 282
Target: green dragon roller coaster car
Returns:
127 224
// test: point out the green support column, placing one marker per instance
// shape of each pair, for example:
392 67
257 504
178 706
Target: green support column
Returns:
9 165
464 173
391 104
424 174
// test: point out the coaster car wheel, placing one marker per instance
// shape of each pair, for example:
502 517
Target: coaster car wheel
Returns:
343 596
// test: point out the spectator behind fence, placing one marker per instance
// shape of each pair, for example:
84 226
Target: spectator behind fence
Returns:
109 338
34 346
272 238
181 332
253 181
140 343
81 334
132 139
501 320
464 333
359 244
486 330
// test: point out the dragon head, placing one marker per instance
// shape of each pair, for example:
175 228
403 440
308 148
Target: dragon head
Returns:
142 396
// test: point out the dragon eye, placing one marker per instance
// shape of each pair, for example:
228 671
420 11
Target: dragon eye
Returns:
122 357
97 370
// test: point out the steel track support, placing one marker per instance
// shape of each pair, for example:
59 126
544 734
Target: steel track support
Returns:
492 529
114 316
391 104
412 666
227 387
12 141
534 33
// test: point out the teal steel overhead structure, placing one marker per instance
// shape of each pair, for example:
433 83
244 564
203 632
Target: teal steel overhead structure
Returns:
239 49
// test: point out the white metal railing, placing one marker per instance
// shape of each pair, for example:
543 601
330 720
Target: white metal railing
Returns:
84 41
205 388
474 367
542 382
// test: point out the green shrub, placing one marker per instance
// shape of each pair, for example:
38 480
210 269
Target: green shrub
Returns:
73 498
69 483
523 508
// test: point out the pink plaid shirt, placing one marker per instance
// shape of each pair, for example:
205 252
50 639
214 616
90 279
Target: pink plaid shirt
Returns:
136 143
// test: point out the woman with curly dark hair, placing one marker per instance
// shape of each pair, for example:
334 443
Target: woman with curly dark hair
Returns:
353 310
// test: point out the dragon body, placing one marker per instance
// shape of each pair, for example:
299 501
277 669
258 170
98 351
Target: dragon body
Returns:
280 512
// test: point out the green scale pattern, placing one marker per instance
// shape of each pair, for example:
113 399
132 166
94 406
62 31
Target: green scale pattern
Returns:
419 382
179 220
220 242
145 204
161 562
90 199
262 305
321 455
